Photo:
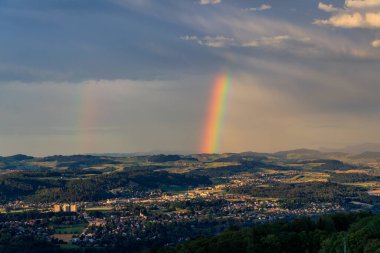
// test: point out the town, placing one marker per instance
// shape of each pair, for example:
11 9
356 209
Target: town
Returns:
168 218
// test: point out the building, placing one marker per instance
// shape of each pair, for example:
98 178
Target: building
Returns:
67 208
57 208
375 192
74 208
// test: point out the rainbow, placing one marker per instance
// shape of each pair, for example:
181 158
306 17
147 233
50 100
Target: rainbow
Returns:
215 115
87 115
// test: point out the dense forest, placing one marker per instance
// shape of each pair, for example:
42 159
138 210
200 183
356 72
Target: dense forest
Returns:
352 177
244 166
302 194
324 235
48 186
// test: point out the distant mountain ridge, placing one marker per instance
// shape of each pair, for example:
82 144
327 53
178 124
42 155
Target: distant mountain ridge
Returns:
355 149
346 154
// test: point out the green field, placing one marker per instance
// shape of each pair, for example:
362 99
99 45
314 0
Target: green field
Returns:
100 208
2 210
70 229
369 185
309 177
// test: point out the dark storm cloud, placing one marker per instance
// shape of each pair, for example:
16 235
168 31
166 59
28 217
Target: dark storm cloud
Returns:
140 73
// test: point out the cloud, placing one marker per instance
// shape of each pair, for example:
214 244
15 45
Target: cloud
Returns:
360 4
262 7
278 41
284 71
255 31
130 116
275 41
210 41
232 21
355 14
328 7
376 43
352 20
286 42
205 2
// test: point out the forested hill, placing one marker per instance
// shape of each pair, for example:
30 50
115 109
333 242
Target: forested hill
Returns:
326 235
92 178
49 186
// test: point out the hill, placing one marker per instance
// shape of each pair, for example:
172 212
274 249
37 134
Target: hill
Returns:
298 154
327 234
367 155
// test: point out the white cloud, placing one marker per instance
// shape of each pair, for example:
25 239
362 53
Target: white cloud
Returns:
376 43
328 7
352 20
210 41
360 4
189 38
275 41
244 28
218 41
204 2
262 7
354 14
278 41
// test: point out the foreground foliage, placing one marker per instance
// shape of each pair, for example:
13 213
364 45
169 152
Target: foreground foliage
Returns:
320 235
326 235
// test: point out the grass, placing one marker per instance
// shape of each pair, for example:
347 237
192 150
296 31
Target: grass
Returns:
309 177
220 164
351 171
100 208
315 164
2 210
295 165
369 185
266 198
70 229
178 170
263 186
63 237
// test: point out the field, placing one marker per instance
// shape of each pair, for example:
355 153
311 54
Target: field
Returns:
369 185
22 210
100 208
70 229
351 171
309 177
63 237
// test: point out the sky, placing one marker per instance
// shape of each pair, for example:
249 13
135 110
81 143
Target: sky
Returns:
115 76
